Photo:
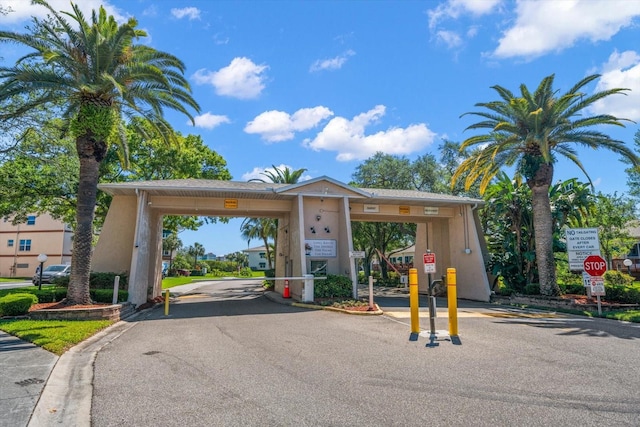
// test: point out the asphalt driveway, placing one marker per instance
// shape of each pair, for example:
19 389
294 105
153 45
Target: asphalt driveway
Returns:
236 358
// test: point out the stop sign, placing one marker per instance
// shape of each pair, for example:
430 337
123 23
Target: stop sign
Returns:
594 265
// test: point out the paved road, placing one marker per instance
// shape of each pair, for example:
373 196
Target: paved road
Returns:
18 284
236 358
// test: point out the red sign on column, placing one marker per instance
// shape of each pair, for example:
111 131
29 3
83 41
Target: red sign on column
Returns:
429 260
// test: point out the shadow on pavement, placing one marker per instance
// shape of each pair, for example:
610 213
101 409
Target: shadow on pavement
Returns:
572 326
192 306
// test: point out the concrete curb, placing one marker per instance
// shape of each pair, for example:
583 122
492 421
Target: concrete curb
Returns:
275 297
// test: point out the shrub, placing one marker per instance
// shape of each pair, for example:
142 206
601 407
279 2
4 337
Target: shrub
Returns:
505 291
532 289
270 273
98 280
573 288
217 273
245 272
51 294
615 277
106 295
568 278
16 304
333 286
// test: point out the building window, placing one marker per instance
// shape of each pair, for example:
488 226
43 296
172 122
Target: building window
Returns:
262 265
25 245
10 243
22 265
31 220
166 253
262 255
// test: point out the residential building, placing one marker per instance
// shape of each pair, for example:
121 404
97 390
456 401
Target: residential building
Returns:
21 244
257 258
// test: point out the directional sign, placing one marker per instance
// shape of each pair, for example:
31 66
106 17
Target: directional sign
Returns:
429 260
594 265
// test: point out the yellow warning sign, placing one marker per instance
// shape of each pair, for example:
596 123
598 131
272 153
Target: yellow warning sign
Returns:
231 203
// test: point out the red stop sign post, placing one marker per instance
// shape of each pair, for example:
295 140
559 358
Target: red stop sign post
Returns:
594 265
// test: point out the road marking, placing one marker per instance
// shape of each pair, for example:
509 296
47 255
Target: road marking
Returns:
443 314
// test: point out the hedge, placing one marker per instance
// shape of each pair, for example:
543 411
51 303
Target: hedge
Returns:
17 304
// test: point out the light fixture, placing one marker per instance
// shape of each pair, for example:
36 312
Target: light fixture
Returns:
318 217
42 258
313 230
327 230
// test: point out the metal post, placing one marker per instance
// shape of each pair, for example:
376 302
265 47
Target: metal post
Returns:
452 302
432 307
413 300
40 281
371 293
116 286
166 302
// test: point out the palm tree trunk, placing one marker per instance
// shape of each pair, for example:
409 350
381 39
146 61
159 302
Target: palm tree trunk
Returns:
90 153
543 230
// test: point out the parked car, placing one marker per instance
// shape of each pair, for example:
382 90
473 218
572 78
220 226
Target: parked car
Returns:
52 272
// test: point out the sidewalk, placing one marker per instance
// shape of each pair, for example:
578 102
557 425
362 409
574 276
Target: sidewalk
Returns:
24 371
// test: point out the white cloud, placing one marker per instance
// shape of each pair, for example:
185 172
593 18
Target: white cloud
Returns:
348 138
209 121
150 11
332 63
275 126
257 173
453 9
23 10
450 38
622 70
550 26
189 12
241 79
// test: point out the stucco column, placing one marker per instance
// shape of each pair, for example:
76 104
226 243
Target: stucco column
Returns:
139 272
345 233
155 254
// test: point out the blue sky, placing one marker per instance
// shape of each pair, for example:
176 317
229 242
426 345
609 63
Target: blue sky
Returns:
323 85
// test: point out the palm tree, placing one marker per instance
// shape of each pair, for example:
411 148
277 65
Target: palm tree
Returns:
260 228
529 132
197 250
266 228
171 243
99 76
282 176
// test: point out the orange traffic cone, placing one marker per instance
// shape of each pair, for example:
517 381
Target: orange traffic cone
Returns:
285 292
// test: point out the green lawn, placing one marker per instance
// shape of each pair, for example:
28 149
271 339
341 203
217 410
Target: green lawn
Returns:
14 279
170 282
57 336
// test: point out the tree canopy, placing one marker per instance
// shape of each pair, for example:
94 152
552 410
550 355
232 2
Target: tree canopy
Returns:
95 74
529 131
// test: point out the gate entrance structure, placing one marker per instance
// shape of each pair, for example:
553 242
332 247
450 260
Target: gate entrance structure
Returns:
314 228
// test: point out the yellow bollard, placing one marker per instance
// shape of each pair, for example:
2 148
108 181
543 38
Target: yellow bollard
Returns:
413 300
166 302
452 298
